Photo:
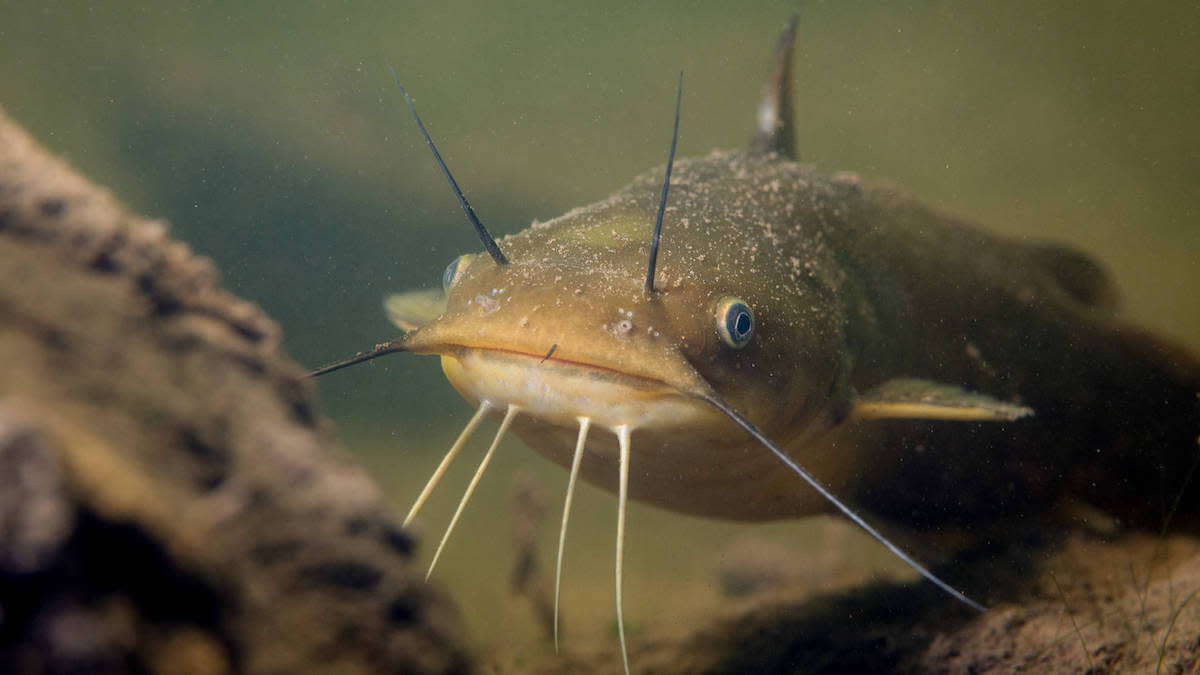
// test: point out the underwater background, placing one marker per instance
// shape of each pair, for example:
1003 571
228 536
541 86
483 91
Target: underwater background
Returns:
272 138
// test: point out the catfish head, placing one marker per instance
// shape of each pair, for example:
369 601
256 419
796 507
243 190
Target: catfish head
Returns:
567 331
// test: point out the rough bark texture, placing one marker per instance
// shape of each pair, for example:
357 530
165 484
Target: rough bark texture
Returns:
169 501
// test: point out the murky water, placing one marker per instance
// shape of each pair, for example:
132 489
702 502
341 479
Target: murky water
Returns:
275 142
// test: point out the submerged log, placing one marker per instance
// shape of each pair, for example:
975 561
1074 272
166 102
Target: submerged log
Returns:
169 499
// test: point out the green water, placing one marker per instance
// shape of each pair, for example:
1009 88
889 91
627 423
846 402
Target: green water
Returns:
274 141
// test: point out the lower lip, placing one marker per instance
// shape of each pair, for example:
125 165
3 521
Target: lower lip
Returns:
558 393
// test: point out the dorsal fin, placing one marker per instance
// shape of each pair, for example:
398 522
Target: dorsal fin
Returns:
774 131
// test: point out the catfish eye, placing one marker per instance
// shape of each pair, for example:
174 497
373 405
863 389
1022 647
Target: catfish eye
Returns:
735 322
455 270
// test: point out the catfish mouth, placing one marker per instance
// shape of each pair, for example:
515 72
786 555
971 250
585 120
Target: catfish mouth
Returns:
560 391
570 393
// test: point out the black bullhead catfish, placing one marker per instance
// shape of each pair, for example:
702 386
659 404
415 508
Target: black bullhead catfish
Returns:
780 343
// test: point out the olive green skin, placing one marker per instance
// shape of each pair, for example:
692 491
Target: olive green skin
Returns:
851 286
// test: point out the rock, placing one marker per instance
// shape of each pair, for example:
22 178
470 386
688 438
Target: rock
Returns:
169 499
36 515
1075 604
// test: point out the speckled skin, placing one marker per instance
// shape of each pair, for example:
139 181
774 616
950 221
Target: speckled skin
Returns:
851 286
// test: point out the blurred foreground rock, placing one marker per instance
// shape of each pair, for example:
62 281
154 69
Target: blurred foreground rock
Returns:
169 501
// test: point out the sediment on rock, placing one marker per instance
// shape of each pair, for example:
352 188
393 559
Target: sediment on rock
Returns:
1059 603
169 498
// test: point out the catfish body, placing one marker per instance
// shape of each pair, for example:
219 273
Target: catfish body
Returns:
1117 413
853 288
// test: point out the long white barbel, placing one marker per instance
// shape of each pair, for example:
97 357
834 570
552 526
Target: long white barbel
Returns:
622 495
584 424
508 418
463 437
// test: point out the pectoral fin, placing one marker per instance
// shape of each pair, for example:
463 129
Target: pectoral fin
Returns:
920 399
414 309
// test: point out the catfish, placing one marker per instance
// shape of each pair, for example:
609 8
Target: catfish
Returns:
761 340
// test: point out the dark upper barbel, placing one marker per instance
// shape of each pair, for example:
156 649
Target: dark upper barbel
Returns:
489 244
774 134
774 127
662 202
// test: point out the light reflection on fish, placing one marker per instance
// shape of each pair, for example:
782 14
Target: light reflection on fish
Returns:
815 321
